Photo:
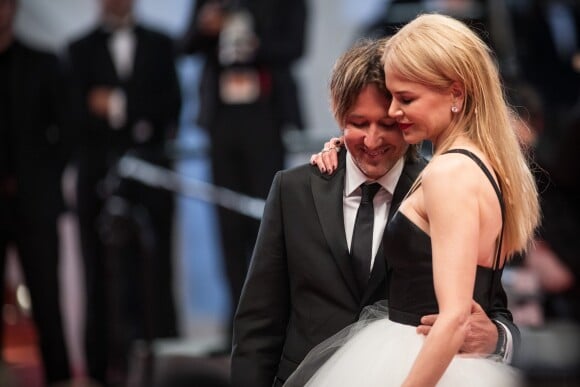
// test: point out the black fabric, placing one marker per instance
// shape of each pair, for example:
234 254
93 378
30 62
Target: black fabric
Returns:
6 167
411 290
246 138
153 104
33 151
301 288
362 237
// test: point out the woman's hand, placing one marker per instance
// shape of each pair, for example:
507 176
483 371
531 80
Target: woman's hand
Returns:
327 159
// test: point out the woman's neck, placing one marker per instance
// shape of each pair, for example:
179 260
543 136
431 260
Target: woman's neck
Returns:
449 142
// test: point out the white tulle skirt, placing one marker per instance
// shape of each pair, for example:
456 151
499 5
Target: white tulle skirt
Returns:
379 352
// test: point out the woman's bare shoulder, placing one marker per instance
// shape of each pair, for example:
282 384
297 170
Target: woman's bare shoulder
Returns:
452 174
449 166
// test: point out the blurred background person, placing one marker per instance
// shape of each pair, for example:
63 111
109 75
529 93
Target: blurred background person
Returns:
547 46
567 171
248 96
127 99
547 41
556 258
542 286
33 153
526 293
489 18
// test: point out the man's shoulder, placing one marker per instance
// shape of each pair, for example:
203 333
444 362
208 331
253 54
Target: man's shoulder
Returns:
83 39
293 175
153 33
298 169
306 171
34 55
301 178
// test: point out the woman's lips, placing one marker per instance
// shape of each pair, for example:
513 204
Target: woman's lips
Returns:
404 126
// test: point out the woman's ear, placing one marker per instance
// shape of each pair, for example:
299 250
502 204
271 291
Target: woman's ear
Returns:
458 93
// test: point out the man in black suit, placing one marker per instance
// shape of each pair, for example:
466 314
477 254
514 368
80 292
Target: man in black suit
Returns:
33 153
301 286
248 95
128 99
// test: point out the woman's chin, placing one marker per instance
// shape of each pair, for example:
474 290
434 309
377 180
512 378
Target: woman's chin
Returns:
411 139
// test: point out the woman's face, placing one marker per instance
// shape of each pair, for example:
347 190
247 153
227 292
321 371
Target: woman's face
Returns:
373 138
422 113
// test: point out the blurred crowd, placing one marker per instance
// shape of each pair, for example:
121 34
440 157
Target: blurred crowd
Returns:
115 91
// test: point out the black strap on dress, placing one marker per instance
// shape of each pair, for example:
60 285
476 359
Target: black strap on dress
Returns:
497 260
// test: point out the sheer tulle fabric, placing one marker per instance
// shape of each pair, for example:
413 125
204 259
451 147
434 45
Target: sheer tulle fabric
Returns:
376 351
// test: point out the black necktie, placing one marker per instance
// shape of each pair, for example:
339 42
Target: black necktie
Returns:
362 237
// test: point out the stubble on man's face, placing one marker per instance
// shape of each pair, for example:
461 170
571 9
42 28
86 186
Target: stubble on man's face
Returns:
373 139
375 164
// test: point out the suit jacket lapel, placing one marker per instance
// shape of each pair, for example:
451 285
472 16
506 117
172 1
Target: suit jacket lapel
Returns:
104 59
16 80
140 55
327 192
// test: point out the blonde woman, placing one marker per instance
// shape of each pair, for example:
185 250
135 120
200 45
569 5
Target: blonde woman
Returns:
472 208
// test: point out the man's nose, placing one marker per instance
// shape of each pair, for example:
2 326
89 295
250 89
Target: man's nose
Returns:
374 137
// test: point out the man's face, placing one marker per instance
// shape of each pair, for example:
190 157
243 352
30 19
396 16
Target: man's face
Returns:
371 136
117 9
7 13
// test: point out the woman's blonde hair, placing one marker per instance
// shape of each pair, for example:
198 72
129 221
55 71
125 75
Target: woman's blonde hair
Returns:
437 51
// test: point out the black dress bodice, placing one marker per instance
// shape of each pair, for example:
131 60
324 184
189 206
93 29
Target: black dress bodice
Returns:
410 268
411 290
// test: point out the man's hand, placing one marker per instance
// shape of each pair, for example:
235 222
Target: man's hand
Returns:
481 335
98 101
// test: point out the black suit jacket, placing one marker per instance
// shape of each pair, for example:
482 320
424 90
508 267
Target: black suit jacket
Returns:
152 91
300 287
40 146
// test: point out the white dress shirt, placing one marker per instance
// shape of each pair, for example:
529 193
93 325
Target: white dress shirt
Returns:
381 202
122 46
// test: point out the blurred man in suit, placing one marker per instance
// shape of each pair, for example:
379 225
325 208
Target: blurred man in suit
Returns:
33 153
248 96
547 34
127 99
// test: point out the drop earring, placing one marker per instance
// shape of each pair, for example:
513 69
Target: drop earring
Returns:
454 109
